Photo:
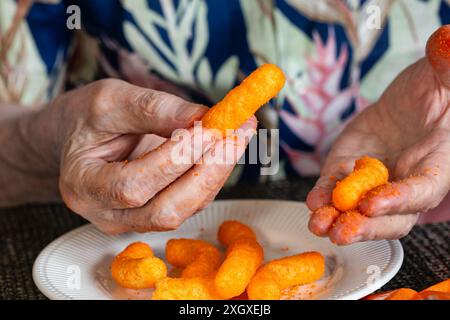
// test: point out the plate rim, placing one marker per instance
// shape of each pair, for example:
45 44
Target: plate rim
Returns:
363 290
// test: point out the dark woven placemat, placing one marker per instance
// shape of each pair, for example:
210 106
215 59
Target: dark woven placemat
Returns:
26 230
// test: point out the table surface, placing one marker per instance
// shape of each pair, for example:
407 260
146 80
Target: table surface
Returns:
26 230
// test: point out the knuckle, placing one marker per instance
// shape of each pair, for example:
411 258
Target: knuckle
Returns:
129 199
166 171
149 101
106 86
209 184
75 189
172 224
129 193
167 218
100 95
68 193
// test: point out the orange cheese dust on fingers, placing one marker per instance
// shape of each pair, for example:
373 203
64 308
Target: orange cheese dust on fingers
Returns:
367 174
200 288
137 268
244 100
347 227
322 219
198 258
243 257
438 53
370 204
280 274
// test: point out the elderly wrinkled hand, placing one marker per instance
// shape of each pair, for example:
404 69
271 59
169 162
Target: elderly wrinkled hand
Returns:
118 171
408 128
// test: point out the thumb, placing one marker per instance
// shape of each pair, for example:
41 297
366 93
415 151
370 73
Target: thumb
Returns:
438 53
122 108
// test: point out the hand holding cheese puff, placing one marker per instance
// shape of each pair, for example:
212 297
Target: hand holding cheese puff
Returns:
408 126
243 257
280 274
342 221
137 268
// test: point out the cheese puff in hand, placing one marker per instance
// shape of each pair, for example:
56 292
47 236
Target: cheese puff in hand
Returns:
244 100
367 174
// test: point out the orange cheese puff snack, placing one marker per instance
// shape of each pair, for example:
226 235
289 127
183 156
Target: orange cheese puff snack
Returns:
399 294
262 288
230 231
243 258
432 295
378 296
322 219
439 291
280 274
137 268
243 296
244 100
136 250
367 174
443 286
198 258
206 264
200 288
402 294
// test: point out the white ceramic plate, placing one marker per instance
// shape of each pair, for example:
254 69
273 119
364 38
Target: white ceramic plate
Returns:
76 265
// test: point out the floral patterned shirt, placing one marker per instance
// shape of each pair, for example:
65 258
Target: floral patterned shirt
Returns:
335 60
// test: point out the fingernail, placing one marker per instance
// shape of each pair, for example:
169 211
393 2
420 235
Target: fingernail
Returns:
190 112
